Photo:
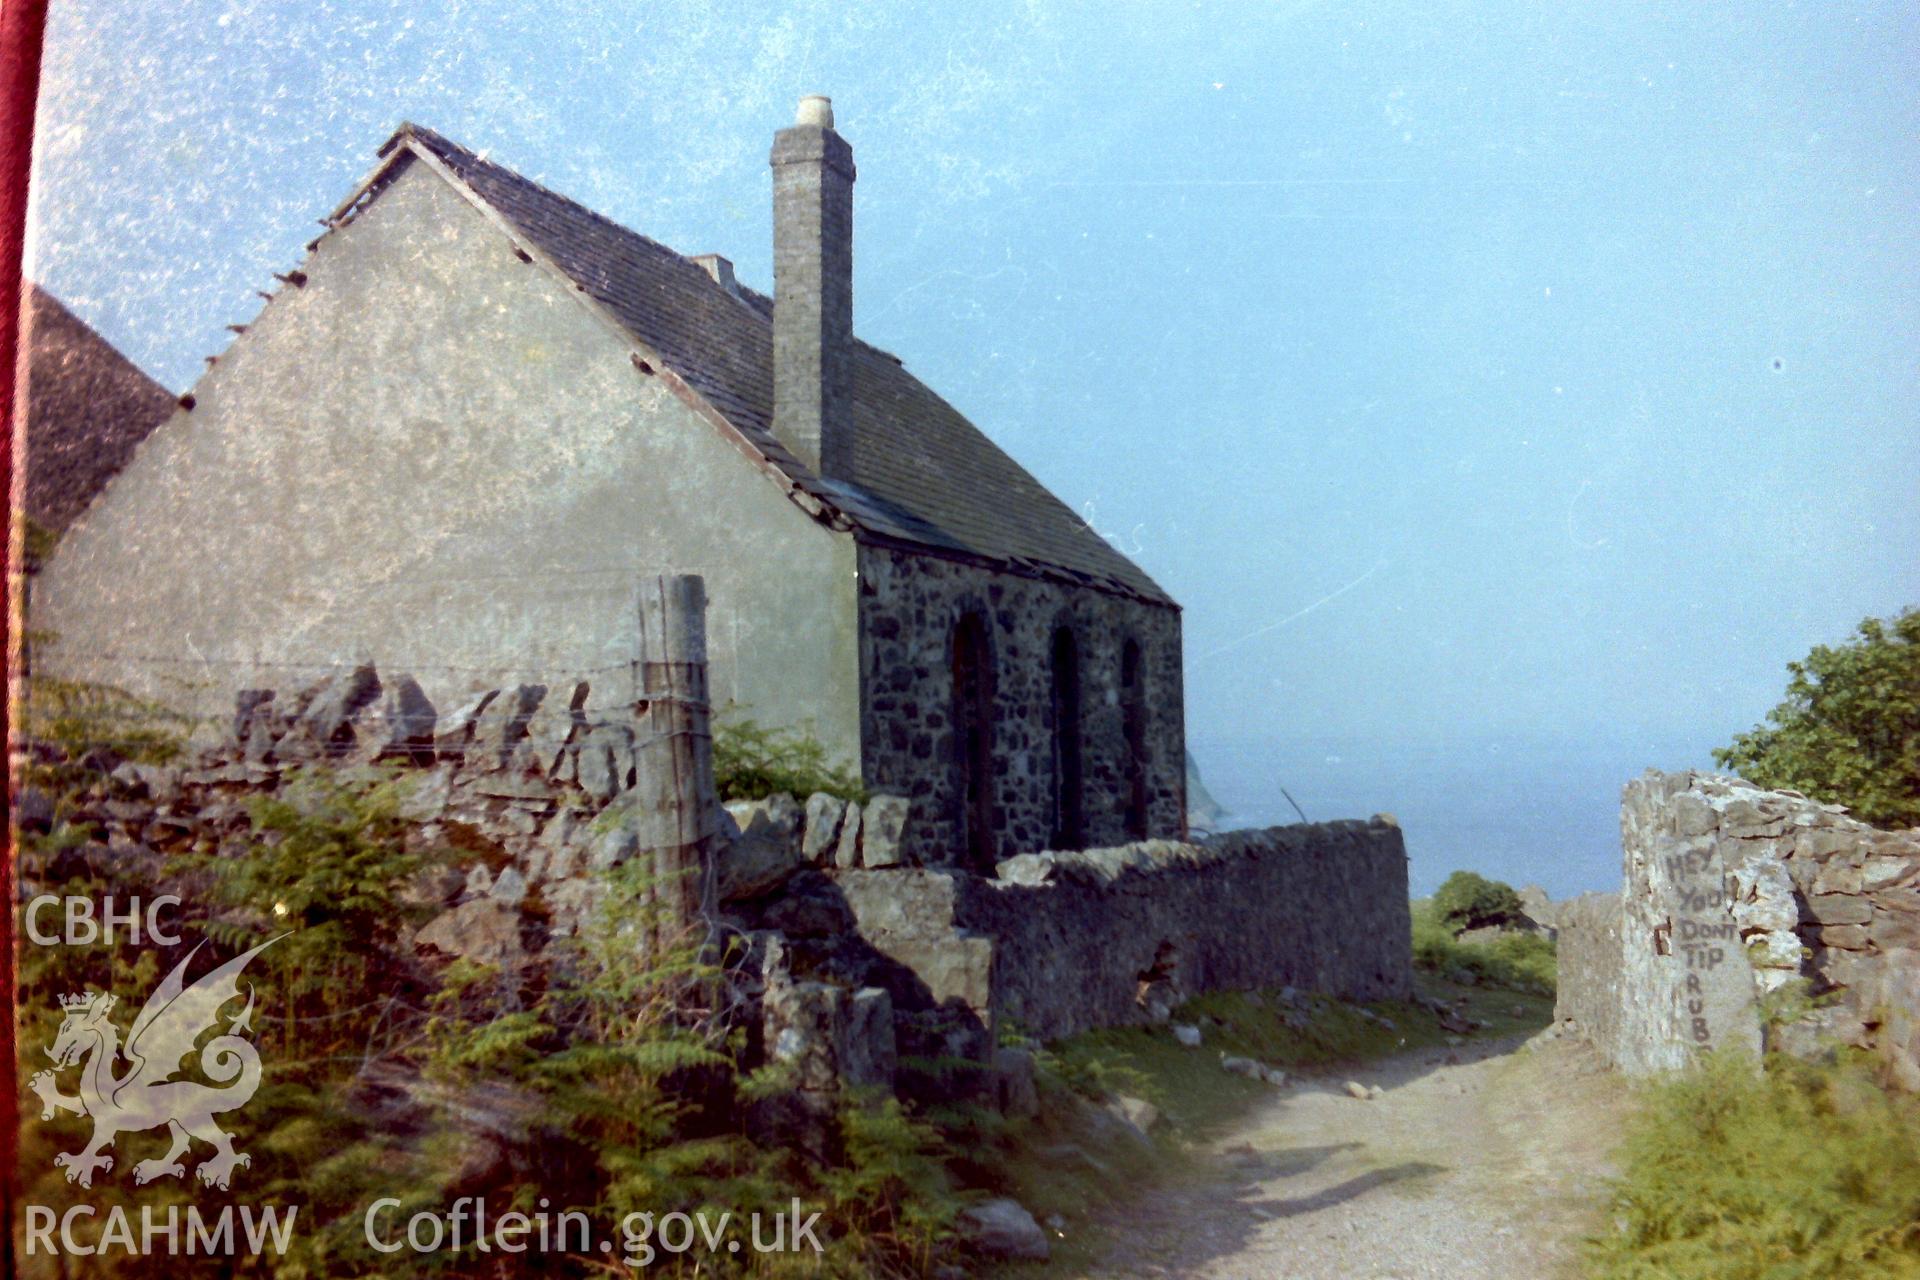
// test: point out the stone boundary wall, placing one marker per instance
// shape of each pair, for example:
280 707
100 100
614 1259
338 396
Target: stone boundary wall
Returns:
1587 994
538 796
524 801
1747 891
1062 942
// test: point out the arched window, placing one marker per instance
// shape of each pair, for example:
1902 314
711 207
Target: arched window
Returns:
1068 821
973 739
1133 720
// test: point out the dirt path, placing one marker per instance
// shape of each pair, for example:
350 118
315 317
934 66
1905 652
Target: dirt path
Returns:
1489 1165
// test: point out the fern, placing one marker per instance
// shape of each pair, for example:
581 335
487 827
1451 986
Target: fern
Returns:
1794 1170
608 1079
894 1188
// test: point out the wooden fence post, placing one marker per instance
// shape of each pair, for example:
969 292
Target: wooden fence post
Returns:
678 809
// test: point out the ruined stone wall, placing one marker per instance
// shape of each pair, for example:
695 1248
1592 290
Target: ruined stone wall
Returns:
1587 995
1731 893
517 804
909 606
1681 943
504 794
1060 942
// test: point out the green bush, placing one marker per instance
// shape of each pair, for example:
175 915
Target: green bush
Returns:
1518 961
751 761
1469 901
37 543
1849 730
1791 1171
1091 1066
893 1196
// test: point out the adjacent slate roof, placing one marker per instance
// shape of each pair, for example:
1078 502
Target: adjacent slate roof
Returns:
928 477
88 406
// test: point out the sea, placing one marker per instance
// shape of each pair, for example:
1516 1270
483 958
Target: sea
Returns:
1541 811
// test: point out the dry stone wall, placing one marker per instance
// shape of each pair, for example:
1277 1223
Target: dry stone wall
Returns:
1588 947
1680 940
538 797
857 959
1060 942
1732 893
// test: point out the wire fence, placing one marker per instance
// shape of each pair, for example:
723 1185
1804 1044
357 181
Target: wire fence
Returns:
112 685
91 693
324 664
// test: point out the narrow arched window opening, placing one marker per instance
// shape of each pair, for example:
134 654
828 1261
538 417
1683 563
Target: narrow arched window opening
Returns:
1133 716
1069 824
973 739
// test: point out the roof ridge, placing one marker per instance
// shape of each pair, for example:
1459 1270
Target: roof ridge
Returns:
441 145
756 296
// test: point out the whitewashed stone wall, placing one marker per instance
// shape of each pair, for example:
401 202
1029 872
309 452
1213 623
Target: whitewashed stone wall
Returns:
1731 893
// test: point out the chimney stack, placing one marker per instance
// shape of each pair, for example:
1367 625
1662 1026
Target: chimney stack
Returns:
813 290
720 268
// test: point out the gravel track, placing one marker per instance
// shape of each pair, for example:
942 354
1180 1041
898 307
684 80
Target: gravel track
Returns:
1486 1161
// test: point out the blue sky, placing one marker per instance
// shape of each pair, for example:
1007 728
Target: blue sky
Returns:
1499 373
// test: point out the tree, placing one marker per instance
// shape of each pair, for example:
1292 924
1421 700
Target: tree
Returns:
1849 731
1465 900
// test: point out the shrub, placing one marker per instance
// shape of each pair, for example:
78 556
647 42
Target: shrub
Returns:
1518 961
326 867
37 543
1789 1171
751 761
1849 730
80 717
893 1195
1091 1066
1469 901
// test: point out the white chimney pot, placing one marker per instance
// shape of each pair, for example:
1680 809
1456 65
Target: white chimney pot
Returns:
815 109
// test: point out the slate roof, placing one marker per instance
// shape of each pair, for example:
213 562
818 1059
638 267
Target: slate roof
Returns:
88 406
928 477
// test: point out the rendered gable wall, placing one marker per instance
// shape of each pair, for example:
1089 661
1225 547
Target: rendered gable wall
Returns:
434 456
